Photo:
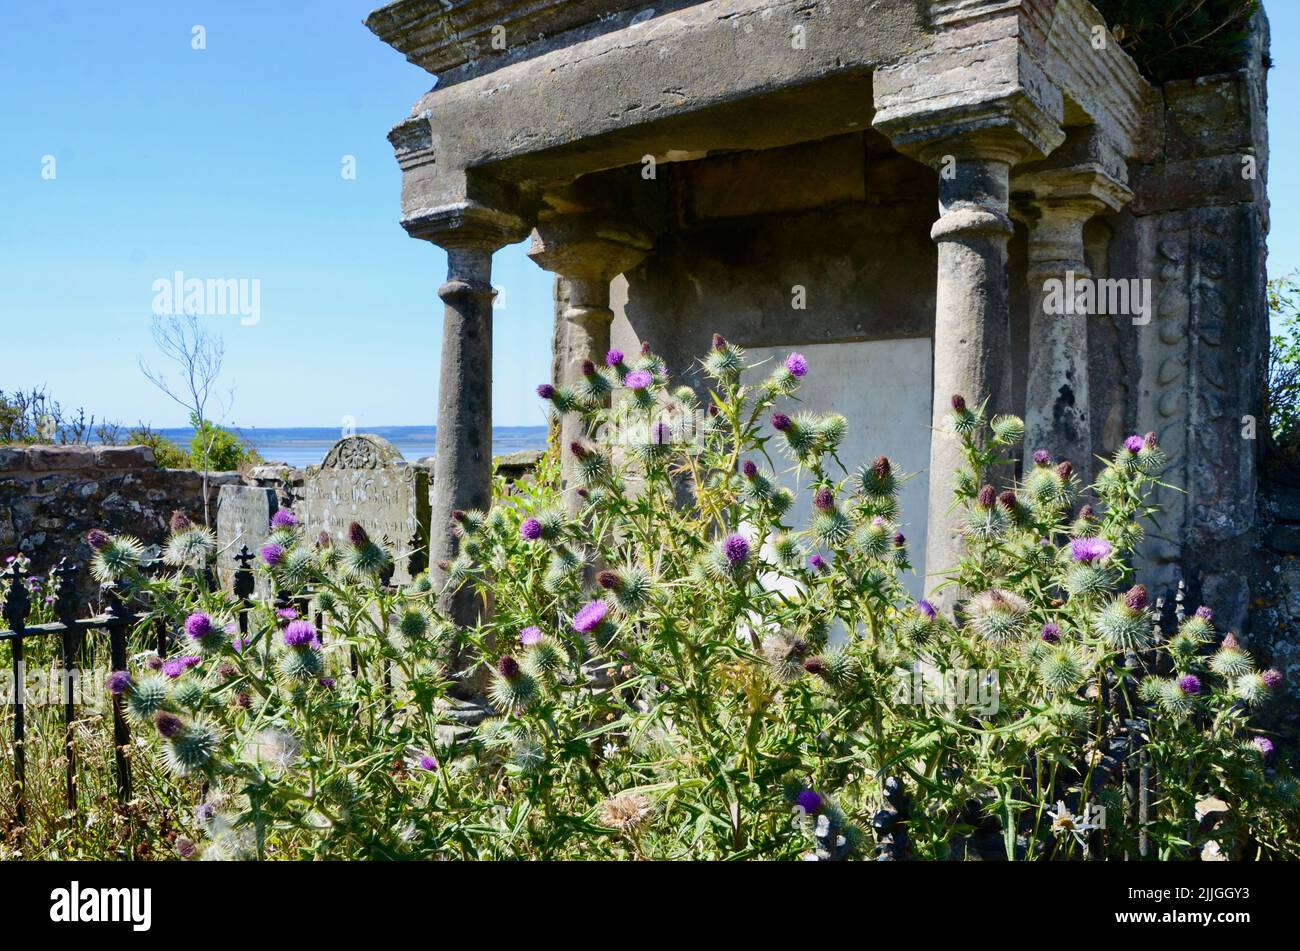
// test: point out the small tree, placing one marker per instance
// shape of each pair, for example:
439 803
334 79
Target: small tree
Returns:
197 357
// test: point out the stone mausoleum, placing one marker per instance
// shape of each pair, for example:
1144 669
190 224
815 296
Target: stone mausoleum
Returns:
904 190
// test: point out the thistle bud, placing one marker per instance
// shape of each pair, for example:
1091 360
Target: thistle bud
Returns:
986 497
357 535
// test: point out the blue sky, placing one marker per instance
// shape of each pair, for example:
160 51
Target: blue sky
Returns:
226 162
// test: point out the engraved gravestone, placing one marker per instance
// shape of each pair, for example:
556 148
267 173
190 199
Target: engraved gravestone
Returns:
364 479
243 518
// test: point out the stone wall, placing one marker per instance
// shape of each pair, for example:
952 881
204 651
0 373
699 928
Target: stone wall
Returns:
50 496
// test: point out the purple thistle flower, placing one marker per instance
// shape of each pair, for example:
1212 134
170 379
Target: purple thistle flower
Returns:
272 554
508 667
1264 745
185 848
239 643
1136 598
719 341
357 535
198 626
119 681
326 682
1042 457
530 636
154 663
1189 684
815 666
1008 500
1051 633
926 608
899 539
428 763
531 529
796 364
300 634
176 666
638 380
816 562
286 614
823 499
283 518
1088 550
1065 469
810 802
781 422
590 616
546 391
1272 678
613 358
986 497
178 521
1134 444
97 539
749 468
958 403
169 725
1204 613
736 548
609 580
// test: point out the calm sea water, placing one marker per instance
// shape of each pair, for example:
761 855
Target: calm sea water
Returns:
307 446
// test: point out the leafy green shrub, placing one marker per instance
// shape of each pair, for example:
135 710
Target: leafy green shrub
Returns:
166 453
1284 368
1180 39
216 448
675 671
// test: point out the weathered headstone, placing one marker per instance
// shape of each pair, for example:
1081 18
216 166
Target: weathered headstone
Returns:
364 479
243 518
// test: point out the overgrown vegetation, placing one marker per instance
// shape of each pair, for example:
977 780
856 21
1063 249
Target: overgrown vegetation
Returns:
1284 369
676 671
1180 39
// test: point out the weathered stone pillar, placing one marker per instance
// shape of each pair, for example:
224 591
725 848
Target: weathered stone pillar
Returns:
586 253
972 337
1057 408
462 467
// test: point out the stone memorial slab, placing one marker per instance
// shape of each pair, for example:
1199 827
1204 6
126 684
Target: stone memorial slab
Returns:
243 518
883 388
364 479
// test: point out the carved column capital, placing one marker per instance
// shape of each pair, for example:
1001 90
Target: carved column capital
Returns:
585 247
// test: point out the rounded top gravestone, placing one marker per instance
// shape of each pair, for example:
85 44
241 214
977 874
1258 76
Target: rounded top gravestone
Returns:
365 479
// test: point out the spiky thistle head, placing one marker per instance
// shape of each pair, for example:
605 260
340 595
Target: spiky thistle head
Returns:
1007 429
1062 667
115 556
1123 622
725 360
513 688
997 615
189 548
193 748
878 479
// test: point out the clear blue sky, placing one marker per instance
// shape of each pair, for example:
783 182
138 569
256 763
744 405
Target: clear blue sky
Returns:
225 163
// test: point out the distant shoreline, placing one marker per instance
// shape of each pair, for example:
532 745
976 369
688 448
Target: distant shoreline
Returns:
306 445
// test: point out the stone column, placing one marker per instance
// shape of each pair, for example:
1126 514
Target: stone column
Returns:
462 467
1057 414
972 336
586 253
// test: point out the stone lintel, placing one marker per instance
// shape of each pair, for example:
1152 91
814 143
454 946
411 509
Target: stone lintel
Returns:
439 37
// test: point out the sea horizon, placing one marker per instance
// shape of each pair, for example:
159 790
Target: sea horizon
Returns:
300 446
